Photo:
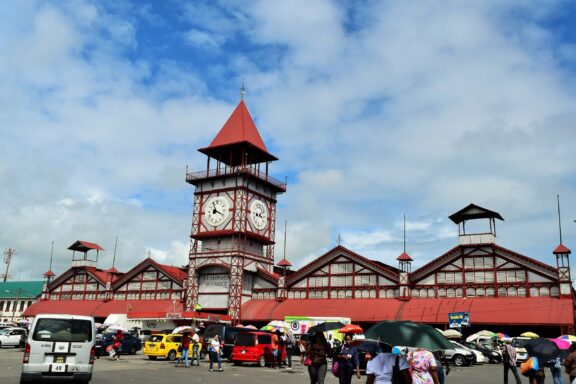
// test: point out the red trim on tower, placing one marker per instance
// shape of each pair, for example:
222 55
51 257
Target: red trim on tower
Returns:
404 257
561 249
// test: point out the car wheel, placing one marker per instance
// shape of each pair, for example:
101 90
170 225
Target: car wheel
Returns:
459 360
262 361
171 355
132 350
236 362
152 357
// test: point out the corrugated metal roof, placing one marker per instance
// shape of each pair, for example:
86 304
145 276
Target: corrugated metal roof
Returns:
31 289
503 310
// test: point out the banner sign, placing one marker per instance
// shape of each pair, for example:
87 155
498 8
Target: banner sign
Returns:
174 315
458 319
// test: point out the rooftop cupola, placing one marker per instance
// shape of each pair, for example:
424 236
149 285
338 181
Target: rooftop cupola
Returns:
478 234
83 247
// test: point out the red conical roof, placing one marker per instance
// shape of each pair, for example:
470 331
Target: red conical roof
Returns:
112 270
239 138
404 257
284 263
561 249
49 274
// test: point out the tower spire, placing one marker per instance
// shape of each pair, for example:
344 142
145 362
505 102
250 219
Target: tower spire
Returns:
243 90
115 247
559 222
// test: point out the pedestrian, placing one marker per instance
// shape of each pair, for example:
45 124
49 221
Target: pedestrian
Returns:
289 349
216 350
302 347
195 349
570 363
422 367
117 344
555 366
347 358
442 366
281 347
275 345
317 353
185 349
509 360
379 369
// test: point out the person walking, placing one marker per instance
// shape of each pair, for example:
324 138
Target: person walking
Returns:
302 347
281 347
348 361
317 353
275 346
570 363
422 367
442 366
509 360
117 345
195 349
379 370
289 349
185 349
215 353
555 366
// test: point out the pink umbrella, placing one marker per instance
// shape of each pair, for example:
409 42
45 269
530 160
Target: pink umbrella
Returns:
561 343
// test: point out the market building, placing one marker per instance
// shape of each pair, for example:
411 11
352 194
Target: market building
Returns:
16 297
232 274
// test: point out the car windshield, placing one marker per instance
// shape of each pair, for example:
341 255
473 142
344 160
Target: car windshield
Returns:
70 330
4 331
245 340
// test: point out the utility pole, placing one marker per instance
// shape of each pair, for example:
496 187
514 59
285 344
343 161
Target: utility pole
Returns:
8 253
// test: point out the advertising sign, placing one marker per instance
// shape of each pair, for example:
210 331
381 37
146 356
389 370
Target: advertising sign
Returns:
458 319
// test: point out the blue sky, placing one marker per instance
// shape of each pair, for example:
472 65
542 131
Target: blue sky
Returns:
375 109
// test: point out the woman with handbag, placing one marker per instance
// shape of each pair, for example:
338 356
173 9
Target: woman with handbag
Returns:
347 359
316 358
215 353
184 349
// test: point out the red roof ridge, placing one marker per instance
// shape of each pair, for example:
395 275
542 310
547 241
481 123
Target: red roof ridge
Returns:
404 257
284 263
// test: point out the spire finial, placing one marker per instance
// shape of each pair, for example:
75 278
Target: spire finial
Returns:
115 247
51 254
339 240
404 233
559 223
243 90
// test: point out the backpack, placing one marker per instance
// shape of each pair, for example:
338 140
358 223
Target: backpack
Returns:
530 366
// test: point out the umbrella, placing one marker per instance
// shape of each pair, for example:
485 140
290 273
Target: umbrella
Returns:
544 349
351 328
561 343
408 334
326 326
502 335
269 328
183 329
531 335
370 346
570 338
472 337
116 327
250 327
485 333
452 334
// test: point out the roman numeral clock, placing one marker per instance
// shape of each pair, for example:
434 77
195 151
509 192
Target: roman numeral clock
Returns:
233 223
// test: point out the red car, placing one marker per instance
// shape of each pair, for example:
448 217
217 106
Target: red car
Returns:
254 347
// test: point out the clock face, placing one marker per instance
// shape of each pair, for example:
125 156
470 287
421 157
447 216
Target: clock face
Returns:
217 210
258 214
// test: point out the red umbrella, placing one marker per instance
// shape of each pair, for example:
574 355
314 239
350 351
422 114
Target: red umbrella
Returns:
351 328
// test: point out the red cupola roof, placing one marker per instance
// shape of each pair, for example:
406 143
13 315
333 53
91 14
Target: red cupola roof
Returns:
239 141
49 274
284 263
404 257
561 249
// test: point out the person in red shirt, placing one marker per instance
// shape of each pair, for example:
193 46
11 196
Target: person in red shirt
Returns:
275 347
185 350
118 338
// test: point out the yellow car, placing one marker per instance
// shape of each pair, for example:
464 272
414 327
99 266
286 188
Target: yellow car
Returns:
165 346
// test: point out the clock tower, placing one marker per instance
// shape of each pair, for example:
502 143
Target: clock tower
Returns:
234 217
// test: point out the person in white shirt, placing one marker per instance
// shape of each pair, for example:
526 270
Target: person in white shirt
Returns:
380 369
195 349
215 344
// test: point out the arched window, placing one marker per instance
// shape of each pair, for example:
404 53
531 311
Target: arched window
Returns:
554 292
423 293
490 291
451 292
459 292
341 294
522 291
441 292
431 293
512 291
390 294
502 291
480 292
544 291
415 293
470 292
534 292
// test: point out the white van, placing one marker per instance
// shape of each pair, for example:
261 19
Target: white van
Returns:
59 347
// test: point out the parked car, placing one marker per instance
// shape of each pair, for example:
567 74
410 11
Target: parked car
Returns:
130 345
521 353
460 356
478 356
490 355
59 347
7 325
166 346
13 337
253 347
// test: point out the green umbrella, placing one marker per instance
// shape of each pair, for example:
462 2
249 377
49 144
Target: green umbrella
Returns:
408 334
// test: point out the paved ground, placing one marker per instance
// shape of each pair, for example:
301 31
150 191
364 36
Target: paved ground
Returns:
138 369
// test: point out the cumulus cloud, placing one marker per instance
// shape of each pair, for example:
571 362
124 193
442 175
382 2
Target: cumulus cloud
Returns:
375 111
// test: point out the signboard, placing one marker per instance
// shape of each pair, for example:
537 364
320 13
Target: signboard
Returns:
173 315
458 319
